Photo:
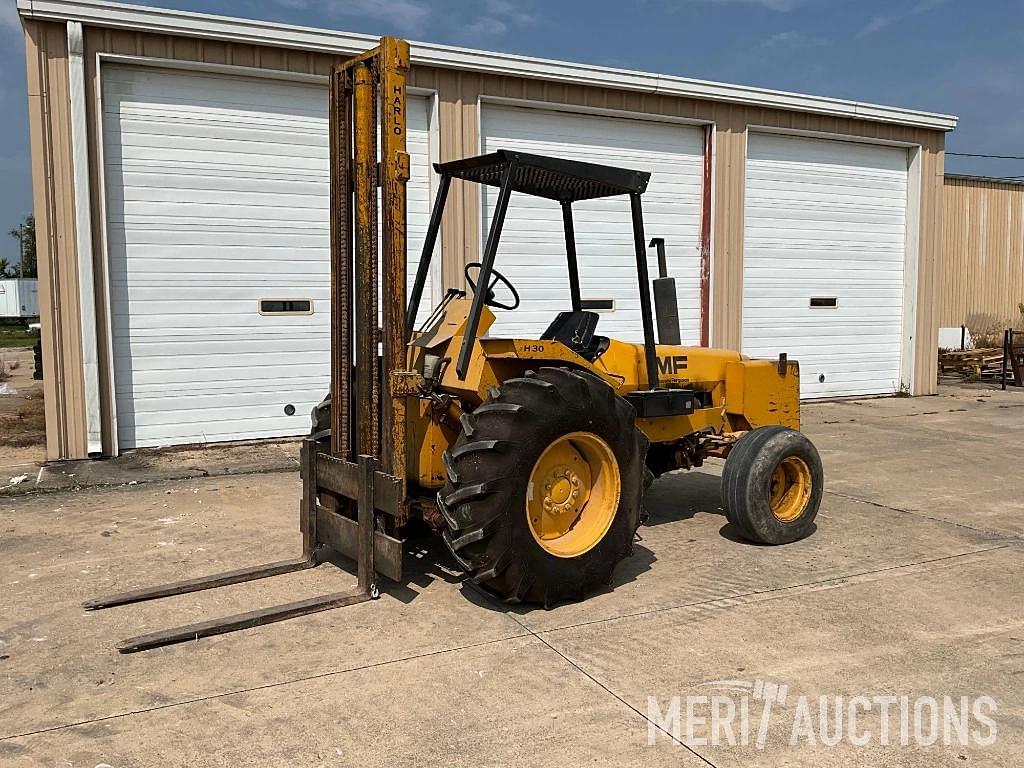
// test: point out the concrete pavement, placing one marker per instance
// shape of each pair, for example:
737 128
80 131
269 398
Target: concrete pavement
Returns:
910 586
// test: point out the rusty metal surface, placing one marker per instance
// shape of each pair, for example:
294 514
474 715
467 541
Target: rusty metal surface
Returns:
392 69
342 477
366 525
365 205
341 534
226 624
341 262
203 582
307 506
403 384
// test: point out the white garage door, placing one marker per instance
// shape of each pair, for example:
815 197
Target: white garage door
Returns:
825 223
532 249
217 198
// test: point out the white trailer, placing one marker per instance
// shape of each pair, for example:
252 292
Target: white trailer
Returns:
19 297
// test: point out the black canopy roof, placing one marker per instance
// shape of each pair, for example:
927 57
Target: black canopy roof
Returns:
550 177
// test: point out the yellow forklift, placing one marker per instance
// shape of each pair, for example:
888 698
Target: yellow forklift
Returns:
530 457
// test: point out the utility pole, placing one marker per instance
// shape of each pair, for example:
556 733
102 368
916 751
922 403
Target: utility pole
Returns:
21 250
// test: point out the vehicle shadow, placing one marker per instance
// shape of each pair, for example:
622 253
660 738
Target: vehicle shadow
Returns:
672 498
681 495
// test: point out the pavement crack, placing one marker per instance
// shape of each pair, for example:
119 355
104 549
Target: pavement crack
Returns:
612 693
918 513
265 686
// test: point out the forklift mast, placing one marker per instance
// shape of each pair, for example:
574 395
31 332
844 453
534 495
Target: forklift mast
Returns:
344 493
363 90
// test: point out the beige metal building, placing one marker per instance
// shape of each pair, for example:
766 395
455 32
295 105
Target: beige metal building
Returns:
180 178
983 273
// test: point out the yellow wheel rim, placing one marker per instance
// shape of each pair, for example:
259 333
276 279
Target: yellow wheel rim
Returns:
790 489
573 494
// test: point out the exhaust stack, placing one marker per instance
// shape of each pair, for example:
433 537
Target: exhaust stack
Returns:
666 307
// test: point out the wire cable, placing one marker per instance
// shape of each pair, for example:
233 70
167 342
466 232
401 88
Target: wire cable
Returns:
991 157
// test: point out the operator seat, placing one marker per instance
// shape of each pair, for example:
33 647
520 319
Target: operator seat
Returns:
576 331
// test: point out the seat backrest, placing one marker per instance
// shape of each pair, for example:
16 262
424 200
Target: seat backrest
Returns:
574 329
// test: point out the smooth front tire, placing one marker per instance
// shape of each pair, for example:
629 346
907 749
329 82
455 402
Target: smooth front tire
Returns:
772 485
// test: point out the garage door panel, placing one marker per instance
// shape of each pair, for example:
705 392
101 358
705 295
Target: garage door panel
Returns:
217 197
160 354
174 235
176 384
806 174
205 413
201 267
228 152
219 97
835 156
228 213
172 192
258 167
197 179
532 251
159 168
277 146
208 431
826 219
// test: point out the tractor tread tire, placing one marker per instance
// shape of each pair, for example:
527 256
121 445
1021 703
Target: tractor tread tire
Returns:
483 502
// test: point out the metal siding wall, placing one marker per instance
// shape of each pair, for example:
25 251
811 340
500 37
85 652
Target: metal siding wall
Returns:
983 259
53 200
459 94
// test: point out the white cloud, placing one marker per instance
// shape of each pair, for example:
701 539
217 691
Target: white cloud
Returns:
423 19
515 13
882 21
410 17
781 6
792 39
878 23
488 26
498 16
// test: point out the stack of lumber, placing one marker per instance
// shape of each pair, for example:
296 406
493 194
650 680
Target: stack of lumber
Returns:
981 363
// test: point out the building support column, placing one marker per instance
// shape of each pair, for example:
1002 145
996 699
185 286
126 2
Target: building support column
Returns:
83 237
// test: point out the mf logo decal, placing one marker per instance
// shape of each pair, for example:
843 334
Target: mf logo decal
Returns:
672 364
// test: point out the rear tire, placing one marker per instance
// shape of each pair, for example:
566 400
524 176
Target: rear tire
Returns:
485 499
772 485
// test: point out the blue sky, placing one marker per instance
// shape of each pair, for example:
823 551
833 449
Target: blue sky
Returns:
964 57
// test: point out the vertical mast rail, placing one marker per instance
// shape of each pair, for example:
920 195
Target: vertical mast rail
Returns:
392 69
365 204
341 262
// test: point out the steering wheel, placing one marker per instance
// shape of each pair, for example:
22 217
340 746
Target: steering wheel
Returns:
498 278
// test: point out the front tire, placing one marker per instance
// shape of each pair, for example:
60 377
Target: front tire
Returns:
772 485
544 487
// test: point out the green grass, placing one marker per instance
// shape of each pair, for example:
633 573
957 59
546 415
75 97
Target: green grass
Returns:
16 336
